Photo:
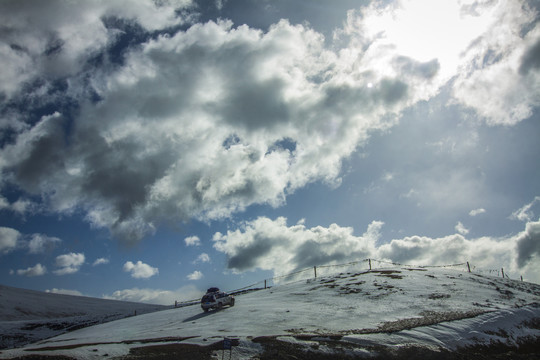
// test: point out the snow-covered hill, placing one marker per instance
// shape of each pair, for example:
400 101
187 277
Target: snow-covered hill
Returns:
400 312
28 316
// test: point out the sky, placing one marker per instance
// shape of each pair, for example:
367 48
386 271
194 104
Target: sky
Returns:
152 149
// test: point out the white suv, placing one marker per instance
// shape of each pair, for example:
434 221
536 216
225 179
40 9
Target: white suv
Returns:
215 299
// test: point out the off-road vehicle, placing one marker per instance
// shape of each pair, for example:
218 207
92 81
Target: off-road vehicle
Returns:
216 299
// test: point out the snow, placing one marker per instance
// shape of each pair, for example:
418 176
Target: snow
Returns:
28 316
435 308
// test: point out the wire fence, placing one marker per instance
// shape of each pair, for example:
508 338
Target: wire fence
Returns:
364 265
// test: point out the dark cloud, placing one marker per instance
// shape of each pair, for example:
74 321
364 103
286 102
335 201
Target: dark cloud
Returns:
531 59
272 245
120 174
392 91
528 244
257 105
311 253
45 156
251 255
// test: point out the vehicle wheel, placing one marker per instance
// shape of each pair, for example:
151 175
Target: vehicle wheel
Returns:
205 310
220 306
232 302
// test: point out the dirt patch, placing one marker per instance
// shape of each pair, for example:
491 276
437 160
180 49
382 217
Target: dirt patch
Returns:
534 323
389 273
173 351
44 357
346 290
438 296
277 349
142 341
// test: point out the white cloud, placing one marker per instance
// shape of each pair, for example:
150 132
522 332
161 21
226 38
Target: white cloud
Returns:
11 239
202 258
234 139
64 292
220 118
8 239
477 212
54 39
156 296
489 50
525 213
272 245
23 206
460 228
4 203
196 275
40 243
140 270
37 270
69 263
192 241
100 261
499 81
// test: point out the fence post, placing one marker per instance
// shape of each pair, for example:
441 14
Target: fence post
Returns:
315 270
468 266
265 283
369 264
521 277
502 272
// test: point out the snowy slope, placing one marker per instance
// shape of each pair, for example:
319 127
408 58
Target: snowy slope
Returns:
356 314
27 315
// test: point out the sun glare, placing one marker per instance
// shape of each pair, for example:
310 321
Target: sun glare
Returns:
426 29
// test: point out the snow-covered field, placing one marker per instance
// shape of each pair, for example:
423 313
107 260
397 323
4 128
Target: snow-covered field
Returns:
385 312
28 316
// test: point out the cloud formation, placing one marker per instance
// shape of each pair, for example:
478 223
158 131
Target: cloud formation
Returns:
36 270
100 261
202 258
525 213
40 243
204 122
156 296
9 239
528 243
192 241
69 263
55 39
478 211
460 228
140 270
196 275
64 292
272 245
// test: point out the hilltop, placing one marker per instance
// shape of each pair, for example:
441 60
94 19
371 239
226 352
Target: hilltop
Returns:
395 312
27 316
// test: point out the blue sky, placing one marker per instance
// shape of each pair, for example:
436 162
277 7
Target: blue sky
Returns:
150 150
